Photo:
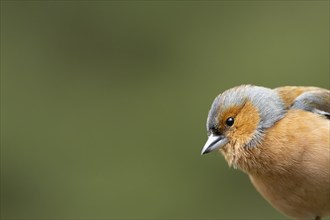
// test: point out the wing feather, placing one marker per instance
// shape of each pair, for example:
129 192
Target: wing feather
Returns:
312 99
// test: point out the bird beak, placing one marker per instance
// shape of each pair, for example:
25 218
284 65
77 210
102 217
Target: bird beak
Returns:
214 142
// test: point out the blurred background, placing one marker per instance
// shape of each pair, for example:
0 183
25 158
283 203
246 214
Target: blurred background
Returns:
104 103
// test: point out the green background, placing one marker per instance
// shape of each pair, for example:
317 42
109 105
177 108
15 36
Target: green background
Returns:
104 103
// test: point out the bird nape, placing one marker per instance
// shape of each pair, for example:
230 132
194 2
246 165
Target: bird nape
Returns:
281 138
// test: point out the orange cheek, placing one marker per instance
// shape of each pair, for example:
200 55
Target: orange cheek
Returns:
232 112
246 123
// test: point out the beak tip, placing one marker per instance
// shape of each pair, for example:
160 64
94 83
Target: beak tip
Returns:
205 151
213 143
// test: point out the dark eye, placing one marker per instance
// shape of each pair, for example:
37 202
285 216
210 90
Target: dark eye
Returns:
230 121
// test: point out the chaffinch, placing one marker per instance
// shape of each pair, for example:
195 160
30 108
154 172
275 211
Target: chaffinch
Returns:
280 138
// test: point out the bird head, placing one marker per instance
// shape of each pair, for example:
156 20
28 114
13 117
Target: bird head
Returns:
239 117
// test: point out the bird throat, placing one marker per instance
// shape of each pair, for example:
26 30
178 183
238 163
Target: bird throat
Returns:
240 157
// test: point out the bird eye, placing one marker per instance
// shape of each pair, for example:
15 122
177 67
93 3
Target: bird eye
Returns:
230 121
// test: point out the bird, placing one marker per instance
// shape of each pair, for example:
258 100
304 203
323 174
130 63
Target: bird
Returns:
280 138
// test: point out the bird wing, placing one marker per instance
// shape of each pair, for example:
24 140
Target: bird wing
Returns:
312 99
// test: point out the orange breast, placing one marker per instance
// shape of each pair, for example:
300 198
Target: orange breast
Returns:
296 179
